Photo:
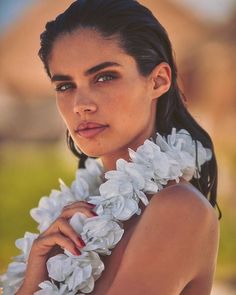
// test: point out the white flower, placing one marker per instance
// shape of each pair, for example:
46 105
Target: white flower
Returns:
116 186
86 269
99 233
150 186
91 174
80 275
14 277
181 147
66 193
49 288
118 207
49 209
127 181
59 267
80 189
160 164
102 234
117 197
25 243
79 272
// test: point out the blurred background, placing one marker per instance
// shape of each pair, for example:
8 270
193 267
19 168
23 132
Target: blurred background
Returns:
33 153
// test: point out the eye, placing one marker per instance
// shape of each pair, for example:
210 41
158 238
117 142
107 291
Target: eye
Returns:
64 87
105 77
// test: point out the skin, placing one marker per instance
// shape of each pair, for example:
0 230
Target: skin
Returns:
175 240
95 98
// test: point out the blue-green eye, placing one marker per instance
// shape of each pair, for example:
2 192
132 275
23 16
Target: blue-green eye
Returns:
63 87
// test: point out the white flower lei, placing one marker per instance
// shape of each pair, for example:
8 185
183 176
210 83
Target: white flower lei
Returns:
116 200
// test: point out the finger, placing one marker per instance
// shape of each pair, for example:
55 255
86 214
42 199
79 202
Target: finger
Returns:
69 212
79 204
61 225
66 229
46 243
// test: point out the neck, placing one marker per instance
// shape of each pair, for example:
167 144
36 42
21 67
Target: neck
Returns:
109 160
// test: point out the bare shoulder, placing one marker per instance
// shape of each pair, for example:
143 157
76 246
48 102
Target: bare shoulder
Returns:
175 241
182 202
182 210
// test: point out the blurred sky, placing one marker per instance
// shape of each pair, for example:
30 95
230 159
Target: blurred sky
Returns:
10 10
215 10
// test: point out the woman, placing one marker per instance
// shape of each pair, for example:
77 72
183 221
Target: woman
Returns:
112 67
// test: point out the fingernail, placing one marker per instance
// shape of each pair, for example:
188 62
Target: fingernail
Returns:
95 214
92 205
81 243
77 251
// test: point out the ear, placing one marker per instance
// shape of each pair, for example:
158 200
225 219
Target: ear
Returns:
160 80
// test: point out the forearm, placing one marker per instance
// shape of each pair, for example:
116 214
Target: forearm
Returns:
35 274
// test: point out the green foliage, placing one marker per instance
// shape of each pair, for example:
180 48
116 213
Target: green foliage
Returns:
226 265
26 174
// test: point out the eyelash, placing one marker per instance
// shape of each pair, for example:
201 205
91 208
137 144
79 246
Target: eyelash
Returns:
59 88
108 74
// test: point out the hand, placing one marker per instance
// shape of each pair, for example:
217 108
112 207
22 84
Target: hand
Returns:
60 235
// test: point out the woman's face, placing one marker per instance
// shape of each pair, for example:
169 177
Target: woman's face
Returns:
104 101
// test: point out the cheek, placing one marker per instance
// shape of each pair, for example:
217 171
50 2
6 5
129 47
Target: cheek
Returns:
129 115
131 106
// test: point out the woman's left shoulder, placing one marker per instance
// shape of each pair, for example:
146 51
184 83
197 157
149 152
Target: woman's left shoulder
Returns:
182 200
175 240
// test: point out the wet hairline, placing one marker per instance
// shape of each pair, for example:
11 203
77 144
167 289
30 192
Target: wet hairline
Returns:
116 38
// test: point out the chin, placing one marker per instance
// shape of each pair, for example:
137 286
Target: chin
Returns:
93 153
103 148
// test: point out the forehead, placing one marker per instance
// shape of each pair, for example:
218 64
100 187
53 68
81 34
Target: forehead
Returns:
84 48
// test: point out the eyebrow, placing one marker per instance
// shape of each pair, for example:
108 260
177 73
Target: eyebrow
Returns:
93 70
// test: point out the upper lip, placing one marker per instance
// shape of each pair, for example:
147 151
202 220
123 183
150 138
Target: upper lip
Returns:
89 125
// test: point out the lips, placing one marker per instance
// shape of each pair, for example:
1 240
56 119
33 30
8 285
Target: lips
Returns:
90 129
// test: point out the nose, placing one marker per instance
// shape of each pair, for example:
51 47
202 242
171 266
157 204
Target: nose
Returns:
84 105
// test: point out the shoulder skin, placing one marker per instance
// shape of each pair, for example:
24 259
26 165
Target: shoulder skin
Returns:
175 241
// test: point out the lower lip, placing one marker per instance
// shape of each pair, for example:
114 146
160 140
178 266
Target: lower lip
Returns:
88 133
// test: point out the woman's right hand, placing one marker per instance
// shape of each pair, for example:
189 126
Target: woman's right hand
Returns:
59 236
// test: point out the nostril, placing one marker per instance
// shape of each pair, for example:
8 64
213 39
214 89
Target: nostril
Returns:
85 108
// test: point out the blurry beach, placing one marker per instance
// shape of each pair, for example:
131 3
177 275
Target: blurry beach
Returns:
33 152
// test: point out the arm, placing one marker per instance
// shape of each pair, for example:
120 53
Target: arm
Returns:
175 241
60 235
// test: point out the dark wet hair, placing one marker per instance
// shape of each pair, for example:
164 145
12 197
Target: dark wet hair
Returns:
142 36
